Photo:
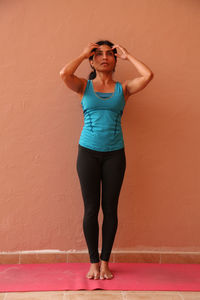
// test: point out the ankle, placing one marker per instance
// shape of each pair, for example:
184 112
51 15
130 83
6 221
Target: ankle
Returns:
103 262
95 264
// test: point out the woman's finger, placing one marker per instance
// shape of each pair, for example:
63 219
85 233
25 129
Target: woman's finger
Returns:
116 54
115 46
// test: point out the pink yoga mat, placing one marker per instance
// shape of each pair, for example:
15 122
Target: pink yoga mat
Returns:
72 276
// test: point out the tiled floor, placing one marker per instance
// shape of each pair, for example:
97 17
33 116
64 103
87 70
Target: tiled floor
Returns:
101 295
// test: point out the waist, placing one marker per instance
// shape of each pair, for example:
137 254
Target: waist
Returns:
101 141
90 150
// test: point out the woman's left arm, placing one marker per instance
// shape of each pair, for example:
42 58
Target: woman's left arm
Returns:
136 84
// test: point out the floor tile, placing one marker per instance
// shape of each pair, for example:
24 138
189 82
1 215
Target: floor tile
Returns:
54 295
190 295
39 258
179 258
99 294
137 257
9 259
97 291
94 296
2 296
153 295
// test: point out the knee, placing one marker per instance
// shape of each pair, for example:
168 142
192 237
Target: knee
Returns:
91 213
110 213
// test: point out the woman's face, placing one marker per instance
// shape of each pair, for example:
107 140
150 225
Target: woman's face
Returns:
103 59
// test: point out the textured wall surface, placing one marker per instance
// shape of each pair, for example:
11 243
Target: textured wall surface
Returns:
41 119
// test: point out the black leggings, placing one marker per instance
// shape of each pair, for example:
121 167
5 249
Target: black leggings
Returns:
94 167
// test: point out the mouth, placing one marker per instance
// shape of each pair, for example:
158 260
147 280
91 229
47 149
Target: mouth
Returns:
104 63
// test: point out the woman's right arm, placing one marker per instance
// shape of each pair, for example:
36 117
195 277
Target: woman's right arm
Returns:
73 82
67 73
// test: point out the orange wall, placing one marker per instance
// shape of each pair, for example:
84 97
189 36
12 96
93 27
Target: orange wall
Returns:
41 120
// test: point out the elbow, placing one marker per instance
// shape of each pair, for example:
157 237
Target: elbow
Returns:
64 75
61 74
151 75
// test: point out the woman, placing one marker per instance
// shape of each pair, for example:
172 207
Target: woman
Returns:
101 152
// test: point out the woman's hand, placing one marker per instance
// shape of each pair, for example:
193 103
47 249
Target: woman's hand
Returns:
87 51
124 54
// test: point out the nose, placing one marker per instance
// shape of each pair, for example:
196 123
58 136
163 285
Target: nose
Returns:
104 56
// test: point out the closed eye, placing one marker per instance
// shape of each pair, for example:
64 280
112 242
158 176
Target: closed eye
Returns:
108 52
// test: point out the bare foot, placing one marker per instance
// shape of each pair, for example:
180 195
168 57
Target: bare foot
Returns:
105 272
94 271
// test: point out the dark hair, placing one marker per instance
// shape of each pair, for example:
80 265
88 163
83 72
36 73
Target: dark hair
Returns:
92 75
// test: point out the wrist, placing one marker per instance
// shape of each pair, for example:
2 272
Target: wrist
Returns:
82 56
128 56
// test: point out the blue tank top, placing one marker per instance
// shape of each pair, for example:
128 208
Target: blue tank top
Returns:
102 119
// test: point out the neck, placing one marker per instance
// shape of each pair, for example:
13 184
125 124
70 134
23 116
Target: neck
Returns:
103 78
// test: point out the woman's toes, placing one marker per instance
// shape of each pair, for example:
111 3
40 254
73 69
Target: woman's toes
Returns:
104 275
91 276
94 272
96 276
